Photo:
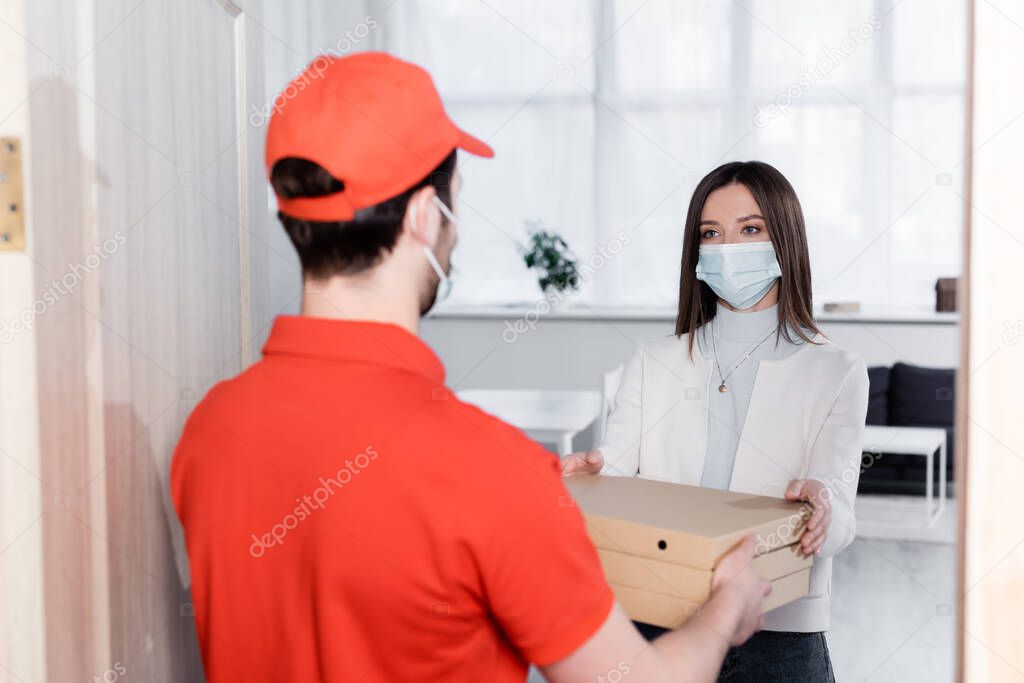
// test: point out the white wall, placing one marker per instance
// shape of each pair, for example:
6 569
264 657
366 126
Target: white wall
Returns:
570 352
567 353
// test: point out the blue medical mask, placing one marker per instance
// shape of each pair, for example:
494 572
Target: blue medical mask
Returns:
741 274
444 287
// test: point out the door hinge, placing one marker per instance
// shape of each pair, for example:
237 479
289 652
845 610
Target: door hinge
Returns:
12 210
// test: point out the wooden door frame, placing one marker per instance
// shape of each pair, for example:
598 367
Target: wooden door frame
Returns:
72 440
961 459
990 431
963 394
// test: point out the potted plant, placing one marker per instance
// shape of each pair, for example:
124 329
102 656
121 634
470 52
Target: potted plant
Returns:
549 255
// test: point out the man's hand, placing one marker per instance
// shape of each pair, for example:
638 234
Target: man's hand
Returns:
817 495
737 594
583 462
693 652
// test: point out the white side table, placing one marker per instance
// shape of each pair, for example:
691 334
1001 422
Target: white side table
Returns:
922 441
551 416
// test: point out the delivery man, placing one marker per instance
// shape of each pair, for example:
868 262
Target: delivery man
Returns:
347 518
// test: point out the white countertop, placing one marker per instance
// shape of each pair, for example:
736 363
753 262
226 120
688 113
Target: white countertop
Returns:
639 313
547 410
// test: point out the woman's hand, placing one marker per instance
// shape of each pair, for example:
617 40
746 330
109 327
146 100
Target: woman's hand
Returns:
817 495
583 462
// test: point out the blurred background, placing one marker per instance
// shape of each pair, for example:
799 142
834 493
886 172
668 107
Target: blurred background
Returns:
604 115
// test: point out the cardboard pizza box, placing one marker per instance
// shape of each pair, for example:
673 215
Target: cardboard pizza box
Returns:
659 542
671 611
679 524
682 581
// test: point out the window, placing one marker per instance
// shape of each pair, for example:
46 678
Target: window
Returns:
604 116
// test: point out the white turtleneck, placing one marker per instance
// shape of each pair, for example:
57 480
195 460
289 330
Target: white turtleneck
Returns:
735 334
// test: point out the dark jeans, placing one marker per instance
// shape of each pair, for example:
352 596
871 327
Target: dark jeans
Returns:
771 656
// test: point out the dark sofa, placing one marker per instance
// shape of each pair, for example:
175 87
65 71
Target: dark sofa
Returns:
909 396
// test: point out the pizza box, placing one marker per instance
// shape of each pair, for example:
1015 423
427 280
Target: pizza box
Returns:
671 611
682 581
680 524
659 542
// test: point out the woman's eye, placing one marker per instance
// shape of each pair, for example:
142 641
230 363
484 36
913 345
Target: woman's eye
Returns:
708 234
751 229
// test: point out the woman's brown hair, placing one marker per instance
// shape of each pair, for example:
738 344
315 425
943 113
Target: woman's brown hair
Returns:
785 220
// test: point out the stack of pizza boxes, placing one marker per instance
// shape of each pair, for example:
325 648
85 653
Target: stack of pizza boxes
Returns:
659 542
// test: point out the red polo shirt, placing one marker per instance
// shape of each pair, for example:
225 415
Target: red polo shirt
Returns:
348 519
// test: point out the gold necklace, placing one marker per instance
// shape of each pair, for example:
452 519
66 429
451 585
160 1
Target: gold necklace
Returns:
721 386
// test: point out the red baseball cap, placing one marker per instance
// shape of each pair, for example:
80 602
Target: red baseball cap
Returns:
373 121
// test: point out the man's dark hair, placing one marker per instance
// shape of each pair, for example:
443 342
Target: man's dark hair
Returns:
346 247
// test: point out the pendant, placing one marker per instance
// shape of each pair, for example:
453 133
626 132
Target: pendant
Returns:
721 388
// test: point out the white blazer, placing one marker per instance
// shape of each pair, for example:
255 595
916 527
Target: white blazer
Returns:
805 421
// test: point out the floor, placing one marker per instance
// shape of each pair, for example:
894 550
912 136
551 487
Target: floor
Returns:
892 609
892 612
902 518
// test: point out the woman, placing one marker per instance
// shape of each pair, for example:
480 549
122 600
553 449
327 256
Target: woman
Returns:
749 396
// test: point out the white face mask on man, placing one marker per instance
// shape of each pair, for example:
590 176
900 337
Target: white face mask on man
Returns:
741 274
444 287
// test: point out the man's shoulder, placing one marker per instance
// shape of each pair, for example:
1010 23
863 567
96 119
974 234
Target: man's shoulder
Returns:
472 423
219 417
226 397
472 434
